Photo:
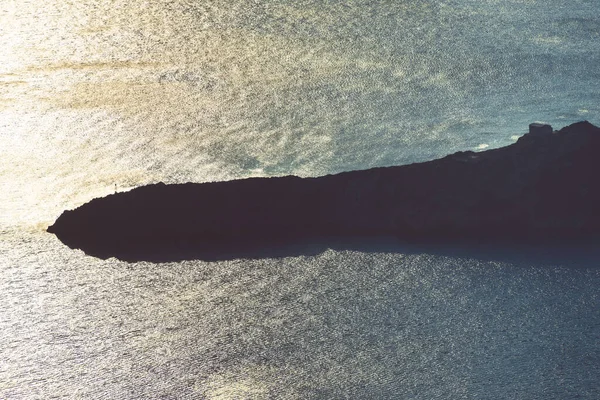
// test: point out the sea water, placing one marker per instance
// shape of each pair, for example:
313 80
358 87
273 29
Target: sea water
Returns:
105 95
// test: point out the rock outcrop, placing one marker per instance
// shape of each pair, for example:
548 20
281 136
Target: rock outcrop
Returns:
542 188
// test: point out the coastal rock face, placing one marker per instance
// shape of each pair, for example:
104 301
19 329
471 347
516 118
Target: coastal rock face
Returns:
542 188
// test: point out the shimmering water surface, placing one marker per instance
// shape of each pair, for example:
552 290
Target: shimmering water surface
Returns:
98 93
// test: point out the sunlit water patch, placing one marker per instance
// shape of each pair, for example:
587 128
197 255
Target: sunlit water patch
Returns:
383 324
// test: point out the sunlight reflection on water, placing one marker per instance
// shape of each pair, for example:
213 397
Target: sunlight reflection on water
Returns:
98 93
377 324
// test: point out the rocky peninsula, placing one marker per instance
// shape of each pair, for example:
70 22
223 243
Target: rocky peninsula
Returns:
543 188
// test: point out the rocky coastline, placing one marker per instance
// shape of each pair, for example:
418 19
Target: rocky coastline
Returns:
542 188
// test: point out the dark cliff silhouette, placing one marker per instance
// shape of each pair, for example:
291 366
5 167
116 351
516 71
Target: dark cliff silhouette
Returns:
541 189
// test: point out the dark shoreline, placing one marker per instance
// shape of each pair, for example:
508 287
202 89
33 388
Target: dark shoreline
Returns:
540 190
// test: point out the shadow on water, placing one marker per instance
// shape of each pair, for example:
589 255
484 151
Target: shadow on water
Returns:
580 254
